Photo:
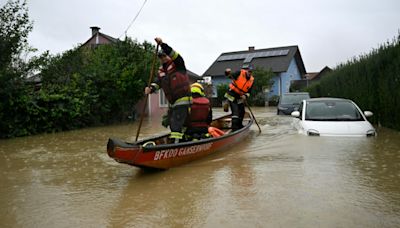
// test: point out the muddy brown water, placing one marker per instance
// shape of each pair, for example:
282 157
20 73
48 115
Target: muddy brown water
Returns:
275 179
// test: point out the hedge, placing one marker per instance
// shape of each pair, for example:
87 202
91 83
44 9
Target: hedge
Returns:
371 80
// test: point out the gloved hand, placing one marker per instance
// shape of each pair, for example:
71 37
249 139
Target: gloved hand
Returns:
147 90
225 105
158 40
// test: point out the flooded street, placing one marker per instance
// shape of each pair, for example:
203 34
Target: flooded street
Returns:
276 179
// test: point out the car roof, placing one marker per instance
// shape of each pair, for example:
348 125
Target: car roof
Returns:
296 93
327 99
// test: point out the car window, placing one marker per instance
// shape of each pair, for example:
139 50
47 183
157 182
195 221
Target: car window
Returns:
332 111
294 98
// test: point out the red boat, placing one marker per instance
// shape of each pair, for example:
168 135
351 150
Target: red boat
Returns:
157 153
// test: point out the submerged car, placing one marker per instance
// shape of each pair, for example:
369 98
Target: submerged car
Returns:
289 102
333 117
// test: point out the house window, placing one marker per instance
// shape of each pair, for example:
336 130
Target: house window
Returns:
163 100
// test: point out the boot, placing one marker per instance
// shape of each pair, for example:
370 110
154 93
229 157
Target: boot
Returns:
235 124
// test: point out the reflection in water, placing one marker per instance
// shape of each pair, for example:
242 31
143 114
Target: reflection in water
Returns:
276 179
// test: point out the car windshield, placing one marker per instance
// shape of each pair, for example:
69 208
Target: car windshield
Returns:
294 98
332 111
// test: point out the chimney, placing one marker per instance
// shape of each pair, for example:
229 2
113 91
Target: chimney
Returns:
95 30
251 48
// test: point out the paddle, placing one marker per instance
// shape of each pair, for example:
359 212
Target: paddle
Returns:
247 105
252 115
147 95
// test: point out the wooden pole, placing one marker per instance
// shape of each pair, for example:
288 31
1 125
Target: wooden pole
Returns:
147 95
252 115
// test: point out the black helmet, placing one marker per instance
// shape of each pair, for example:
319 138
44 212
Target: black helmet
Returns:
248 67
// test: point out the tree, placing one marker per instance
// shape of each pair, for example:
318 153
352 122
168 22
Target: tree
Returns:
81 87
221 90
14 29
262 81
85 86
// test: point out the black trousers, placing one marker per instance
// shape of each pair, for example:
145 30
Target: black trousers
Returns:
196 133
178 116
237 114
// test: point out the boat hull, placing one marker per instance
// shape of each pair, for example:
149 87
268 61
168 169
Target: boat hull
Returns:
165 156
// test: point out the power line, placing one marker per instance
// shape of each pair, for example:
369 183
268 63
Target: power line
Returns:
134 19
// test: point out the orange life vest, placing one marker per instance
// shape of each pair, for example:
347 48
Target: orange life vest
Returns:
242 85
215 132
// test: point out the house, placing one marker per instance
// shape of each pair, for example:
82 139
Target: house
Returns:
35 81
285 62
319 75
157 104
98 38
310 78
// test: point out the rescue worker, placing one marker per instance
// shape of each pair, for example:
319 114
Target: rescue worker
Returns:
173 79
239 91
200 114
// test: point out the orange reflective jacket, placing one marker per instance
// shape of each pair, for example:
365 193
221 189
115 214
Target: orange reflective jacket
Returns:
242 85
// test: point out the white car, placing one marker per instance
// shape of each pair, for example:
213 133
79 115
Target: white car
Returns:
332 117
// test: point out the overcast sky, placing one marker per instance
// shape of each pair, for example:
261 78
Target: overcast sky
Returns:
327 32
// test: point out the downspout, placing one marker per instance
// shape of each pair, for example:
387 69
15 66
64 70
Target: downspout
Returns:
149 103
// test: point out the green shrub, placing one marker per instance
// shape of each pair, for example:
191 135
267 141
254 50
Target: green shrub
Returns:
81 87
221 90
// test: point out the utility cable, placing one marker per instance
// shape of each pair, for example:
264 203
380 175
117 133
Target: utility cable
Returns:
134 19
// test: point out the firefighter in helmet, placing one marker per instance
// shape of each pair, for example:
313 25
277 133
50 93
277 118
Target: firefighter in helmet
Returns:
172 78
239 91
200 114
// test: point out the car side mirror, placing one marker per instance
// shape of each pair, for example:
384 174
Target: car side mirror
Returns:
295 114
368 113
